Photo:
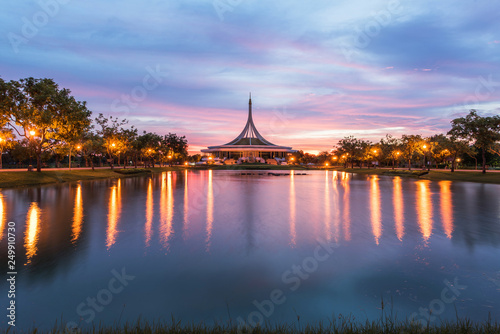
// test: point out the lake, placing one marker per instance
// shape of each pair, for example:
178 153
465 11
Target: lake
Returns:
219 246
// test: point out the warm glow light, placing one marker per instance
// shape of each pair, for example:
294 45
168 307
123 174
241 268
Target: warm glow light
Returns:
398 153
375 209
327 163
425 146
327 207
210 209
186 203
149 212
347 208
374 151
186 163
334 158
397 201
113 145
149 150
32 231
446 203
114 212
336 212
292 199
77 215
166 207
458 160
2 216
424 208
78 147
32 133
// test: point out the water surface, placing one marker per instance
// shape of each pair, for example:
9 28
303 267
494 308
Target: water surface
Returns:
217 245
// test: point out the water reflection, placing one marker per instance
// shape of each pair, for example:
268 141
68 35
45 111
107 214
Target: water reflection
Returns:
166 207
210 208
267 224
3 217
186 204
77 215
114 213
336 210
375 208
149 212
424 208
32 231
397 201
446 203
293 233
327 207
347 208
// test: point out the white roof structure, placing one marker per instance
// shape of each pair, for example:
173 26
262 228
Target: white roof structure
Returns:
249 140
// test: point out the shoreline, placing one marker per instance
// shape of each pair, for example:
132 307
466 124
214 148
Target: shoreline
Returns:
19 179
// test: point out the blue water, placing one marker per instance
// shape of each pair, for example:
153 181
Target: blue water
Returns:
218 246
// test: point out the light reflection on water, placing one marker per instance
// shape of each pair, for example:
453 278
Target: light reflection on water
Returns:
2 216
32 231
398 202
423 207
217 237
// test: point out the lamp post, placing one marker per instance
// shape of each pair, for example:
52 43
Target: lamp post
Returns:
31 139
394 159
425 156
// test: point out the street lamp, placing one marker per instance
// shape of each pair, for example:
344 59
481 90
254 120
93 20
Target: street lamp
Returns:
425 156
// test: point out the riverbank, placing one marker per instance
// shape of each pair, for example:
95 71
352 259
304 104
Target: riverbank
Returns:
11 179
16 179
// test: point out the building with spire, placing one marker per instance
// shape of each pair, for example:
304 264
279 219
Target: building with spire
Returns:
249 144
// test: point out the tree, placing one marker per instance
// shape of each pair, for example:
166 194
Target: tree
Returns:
455 147
483 132
390 149
39 111
72 124
6 142
411 147
91 146
175 147
111 132
350 149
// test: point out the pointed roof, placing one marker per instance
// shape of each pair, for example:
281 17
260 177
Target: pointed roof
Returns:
250 135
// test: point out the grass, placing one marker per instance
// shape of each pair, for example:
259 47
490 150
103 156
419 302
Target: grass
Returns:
26 179
340 324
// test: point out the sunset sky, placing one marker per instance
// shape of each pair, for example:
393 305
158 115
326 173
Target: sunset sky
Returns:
318 70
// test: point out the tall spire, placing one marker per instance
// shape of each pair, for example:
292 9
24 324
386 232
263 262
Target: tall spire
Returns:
250 131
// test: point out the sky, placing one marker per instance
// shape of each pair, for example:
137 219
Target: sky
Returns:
317 70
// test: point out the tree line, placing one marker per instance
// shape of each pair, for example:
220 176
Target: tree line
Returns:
41 119
471 136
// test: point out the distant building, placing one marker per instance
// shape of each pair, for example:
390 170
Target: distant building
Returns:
249 144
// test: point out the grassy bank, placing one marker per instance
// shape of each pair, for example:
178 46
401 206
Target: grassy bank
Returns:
433 175
26 179
338 325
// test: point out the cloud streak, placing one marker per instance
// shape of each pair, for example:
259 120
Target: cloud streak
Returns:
412 76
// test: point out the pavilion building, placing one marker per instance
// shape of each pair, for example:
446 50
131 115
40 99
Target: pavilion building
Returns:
249 144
